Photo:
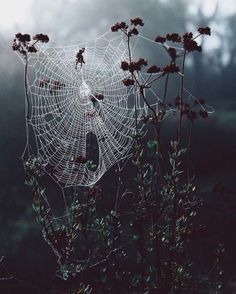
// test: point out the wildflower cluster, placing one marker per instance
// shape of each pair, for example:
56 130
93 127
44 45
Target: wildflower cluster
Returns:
134 65
153 69
24 43
170 68
191 111
143 236
125 28
128 82
187 40
41 37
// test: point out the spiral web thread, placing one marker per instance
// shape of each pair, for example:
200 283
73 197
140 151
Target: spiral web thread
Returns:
65 111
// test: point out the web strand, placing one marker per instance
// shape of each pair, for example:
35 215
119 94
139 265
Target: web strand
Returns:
65 109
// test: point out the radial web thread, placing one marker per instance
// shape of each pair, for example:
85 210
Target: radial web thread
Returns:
65 109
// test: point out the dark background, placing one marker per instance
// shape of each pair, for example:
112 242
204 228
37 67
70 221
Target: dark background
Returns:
211 76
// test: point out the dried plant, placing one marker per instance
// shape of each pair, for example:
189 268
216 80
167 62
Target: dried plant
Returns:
139 243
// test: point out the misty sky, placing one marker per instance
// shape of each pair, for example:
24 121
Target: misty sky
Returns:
73 21
23 15
211 76
16 14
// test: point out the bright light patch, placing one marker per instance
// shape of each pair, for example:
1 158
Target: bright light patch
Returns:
225 8
13 12
209 7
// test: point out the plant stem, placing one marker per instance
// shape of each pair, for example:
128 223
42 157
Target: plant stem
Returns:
27 147
189 150
179 128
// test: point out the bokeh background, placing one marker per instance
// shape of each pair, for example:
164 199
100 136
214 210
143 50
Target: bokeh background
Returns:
212 76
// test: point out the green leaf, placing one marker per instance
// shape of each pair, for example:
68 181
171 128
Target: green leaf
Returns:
152 144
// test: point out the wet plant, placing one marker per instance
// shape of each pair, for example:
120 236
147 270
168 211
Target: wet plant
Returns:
138 242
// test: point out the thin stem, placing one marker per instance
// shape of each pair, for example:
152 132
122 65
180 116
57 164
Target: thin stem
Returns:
27 147
118 189
160 120
179 128
189 150
158 149
35 42
133 76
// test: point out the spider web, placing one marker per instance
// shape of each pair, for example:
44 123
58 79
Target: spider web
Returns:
65 109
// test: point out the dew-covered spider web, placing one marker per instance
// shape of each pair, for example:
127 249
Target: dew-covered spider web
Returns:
81 120
75 108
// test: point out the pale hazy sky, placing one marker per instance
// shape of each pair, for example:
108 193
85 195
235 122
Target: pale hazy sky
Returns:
15 13
226 7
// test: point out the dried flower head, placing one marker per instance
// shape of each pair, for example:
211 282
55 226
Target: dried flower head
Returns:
15 45
190 44
124 27
137 21
119 26
133 31
128 82
160 39
174 37
124 65
32 49
134 65
23 37
153 69
137 65
205 31
171 68
41 37
141 62
187 36
21 44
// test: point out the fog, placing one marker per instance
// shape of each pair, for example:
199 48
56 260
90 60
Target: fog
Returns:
211 75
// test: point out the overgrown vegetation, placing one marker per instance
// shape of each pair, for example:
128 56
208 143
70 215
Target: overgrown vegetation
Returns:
141 241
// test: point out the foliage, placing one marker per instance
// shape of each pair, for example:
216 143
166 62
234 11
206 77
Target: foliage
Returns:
139 243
